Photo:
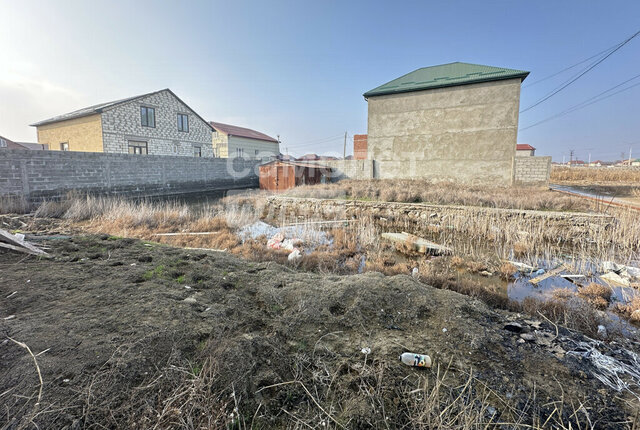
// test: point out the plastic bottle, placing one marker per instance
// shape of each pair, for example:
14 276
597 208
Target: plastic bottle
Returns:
417 360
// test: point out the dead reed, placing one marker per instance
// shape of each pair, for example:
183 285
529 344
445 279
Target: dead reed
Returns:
595 175
445 193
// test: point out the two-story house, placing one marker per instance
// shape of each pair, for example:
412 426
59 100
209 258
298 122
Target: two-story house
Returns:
231 141
157 123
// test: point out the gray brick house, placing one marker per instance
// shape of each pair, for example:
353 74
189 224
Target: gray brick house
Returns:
157 123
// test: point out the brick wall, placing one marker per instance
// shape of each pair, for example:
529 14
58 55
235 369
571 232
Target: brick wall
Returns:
532 171
40 175
360 146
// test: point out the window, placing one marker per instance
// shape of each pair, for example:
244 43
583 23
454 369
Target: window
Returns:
239 152
215 134
257 152
183 122
136 147
64 146
197 151
3 143
148 116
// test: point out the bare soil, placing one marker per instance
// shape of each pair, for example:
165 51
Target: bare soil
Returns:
128 334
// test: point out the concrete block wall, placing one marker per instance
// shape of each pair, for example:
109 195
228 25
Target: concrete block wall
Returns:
532 171
41 175
122 124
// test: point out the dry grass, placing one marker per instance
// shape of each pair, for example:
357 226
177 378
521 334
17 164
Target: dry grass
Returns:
596 295
445 193
192 394
595 175
630 310
14 205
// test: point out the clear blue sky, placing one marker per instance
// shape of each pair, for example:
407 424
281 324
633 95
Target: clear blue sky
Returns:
299 68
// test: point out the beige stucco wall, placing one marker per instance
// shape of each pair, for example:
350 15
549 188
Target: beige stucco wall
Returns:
220 144
466 133
82 134
226 146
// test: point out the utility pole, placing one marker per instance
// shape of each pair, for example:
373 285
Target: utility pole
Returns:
589 160
344 150
629 156
563 159
571 152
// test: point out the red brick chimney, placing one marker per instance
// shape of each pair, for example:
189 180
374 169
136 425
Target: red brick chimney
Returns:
360 146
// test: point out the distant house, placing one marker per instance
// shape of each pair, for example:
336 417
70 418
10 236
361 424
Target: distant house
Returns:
456 121
524 150
576 163
10 144
231 141
156 123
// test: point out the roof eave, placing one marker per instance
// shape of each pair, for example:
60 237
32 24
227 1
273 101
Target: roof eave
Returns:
374 93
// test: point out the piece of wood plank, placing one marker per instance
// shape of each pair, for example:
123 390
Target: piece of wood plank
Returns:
18 248
549 274
188 233
417 243
16 244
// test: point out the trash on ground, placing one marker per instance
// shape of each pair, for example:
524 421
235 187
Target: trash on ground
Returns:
612 278
416 360
418 244
295 255
524 268
622 270
366 350
17 243
288 238
544 275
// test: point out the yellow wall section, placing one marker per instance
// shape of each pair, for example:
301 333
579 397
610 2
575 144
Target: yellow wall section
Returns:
82 134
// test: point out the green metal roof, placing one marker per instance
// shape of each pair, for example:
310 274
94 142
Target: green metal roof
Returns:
445 75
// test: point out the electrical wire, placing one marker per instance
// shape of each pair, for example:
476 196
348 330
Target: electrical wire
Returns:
581 74
595 99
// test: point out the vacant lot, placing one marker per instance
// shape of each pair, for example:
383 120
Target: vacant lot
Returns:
424 191
136 335
629 176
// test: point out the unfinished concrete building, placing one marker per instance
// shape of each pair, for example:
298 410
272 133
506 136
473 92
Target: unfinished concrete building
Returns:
455 121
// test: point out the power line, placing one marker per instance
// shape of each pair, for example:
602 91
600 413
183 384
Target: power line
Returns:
584 72
569 68
595 99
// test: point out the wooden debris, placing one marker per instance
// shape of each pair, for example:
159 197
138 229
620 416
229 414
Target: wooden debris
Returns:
17 243
417 243
188 233
549 274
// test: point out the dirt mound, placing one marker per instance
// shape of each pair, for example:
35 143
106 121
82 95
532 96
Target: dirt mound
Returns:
132 334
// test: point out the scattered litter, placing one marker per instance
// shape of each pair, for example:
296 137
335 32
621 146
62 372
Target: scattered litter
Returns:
295 255
289 237
542 275
416 360
132 264
486 273
602 331
619 374
187 287
612 278
190 300
620 269
12 294
366 350
415 272
418 244
444 330
208 309
17 243
28 280
525 268
10 317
